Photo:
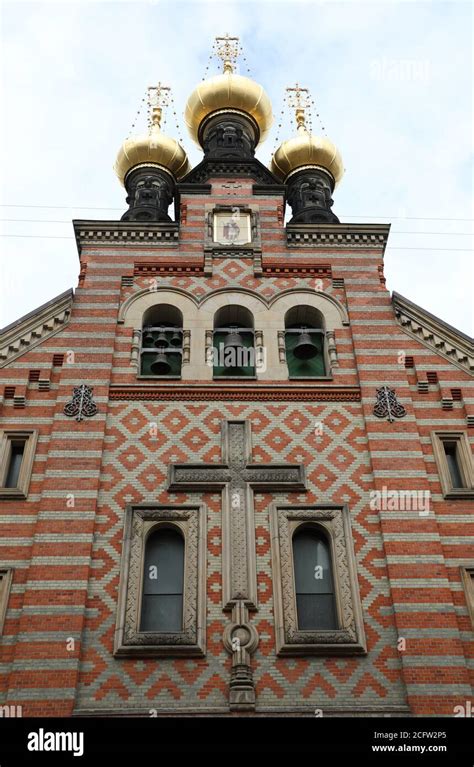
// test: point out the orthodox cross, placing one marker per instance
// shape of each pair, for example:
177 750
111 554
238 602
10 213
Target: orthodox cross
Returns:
158 97
227 49
298 98
387 405
237 477
82 403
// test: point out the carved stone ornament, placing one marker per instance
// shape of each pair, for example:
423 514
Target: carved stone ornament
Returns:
81 404
237 478
387 405
349 638
129 640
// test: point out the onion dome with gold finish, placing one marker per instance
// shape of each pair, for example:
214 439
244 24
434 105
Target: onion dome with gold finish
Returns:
228 93
153 149
306 150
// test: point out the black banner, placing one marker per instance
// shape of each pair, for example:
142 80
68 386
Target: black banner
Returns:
78 741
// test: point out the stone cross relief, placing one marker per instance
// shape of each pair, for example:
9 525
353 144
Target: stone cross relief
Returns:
238 478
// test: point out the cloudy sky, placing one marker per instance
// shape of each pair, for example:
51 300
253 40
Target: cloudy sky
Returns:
392 82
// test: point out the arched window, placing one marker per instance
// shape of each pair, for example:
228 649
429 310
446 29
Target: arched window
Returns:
304 342
162 342
163 579
314 582
233 343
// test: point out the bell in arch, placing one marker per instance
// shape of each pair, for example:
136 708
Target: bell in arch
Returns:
161 342
160 365
233 340
148 338
305 348
175 339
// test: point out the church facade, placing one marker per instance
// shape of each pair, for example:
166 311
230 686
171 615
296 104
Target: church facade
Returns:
236 473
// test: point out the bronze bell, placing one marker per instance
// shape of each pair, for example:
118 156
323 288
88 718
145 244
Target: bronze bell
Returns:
160 365
233 340
305 348
148 338
176 339
161 341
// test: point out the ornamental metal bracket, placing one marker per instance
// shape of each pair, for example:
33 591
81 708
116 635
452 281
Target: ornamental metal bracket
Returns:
387 405
81 404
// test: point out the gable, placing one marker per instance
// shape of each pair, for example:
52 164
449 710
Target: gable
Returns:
437 335
35 327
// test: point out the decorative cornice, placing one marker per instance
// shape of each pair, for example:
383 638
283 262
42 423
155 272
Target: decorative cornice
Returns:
167 267
437 335
251 168
125 233
29 331
184 188
269 189
296 270
338 235
259 392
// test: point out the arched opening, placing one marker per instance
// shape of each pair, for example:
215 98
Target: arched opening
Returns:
162 342
304 342
163 581
314 581
233 352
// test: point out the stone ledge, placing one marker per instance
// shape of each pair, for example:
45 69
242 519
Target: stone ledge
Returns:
345 235
157 392
125 233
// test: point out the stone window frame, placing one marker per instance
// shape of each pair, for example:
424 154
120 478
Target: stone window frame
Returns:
30 438
6 579
253 211
467 578
334 521
140 520
465 463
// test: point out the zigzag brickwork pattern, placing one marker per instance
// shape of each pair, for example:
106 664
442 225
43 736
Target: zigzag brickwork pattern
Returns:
64 540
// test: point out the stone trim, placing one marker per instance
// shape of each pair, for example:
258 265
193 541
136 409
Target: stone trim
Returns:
467 578
349 638
338 235
167 267
34 328
125 233
465 461
357 710
30 438
296 270
207 168
139 521
437 335
258 392
6 578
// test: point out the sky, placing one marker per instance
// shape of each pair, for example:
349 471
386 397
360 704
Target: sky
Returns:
392 83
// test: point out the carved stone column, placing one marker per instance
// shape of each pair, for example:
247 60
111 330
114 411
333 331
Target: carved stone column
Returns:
135 350
281 346
186 346
332 351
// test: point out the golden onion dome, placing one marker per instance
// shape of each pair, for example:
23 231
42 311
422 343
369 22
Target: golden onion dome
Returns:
304 150
228 92
153 148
